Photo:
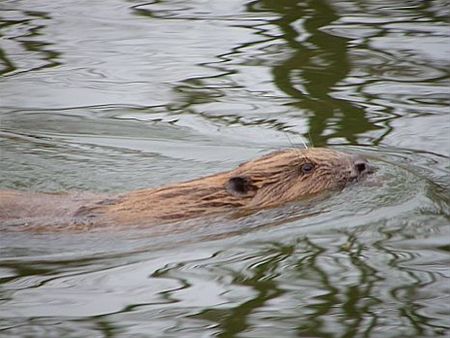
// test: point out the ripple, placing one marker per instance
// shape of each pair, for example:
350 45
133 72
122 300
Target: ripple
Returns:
24 49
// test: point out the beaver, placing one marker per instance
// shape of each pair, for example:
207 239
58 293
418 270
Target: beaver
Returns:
269 181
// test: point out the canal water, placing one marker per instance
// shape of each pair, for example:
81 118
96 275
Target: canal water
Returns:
110 96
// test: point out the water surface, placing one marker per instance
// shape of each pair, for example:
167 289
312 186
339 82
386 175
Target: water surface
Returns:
110 96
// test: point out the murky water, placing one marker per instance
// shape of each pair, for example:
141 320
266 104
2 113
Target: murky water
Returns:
110 96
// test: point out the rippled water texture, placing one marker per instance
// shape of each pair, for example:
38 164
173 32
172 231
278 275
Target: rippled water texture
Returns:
110 96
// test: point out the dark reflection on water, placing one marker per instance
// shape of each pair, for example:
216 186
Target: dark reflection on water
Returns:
318 63
117 95
21 31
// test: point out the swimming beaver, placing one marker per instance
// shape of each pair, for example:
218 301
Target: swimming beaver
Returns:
271 180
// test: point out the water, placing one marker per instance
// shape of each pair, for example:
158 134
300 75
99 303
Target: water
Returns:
110 96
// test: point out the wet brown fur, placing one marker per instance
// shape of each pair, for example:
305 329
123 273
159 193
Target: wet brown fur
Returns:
269 181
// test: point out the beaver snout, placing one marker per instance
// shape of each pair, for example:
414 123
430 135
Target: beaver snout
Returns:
361 167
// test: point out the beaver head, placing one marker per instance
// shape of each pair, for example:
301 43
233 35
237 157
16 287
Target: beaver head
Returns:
293 173
269 181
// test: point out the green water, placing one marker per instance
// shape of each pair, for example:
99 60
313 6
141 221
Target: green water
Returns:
110 96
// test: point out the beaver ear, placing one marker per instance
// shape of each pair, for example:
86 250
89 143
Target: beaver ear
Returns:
240 186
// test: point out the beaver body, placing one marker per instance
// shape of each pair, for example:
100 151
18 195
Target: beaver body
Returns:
269 181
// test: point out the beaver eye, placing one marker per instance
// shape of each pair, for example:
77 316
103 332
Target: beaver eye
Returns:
307 168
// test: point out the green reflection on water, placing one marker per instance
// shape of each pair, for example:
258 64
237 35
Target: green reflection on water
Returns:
317 64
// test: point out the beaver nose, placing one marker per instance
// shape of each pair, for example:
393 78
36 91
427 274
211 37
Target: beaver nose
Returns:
361 165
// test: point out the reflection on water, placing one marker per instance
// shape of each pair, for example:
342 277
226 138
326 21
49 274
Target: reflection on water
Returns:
24 50
319 63
117 95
